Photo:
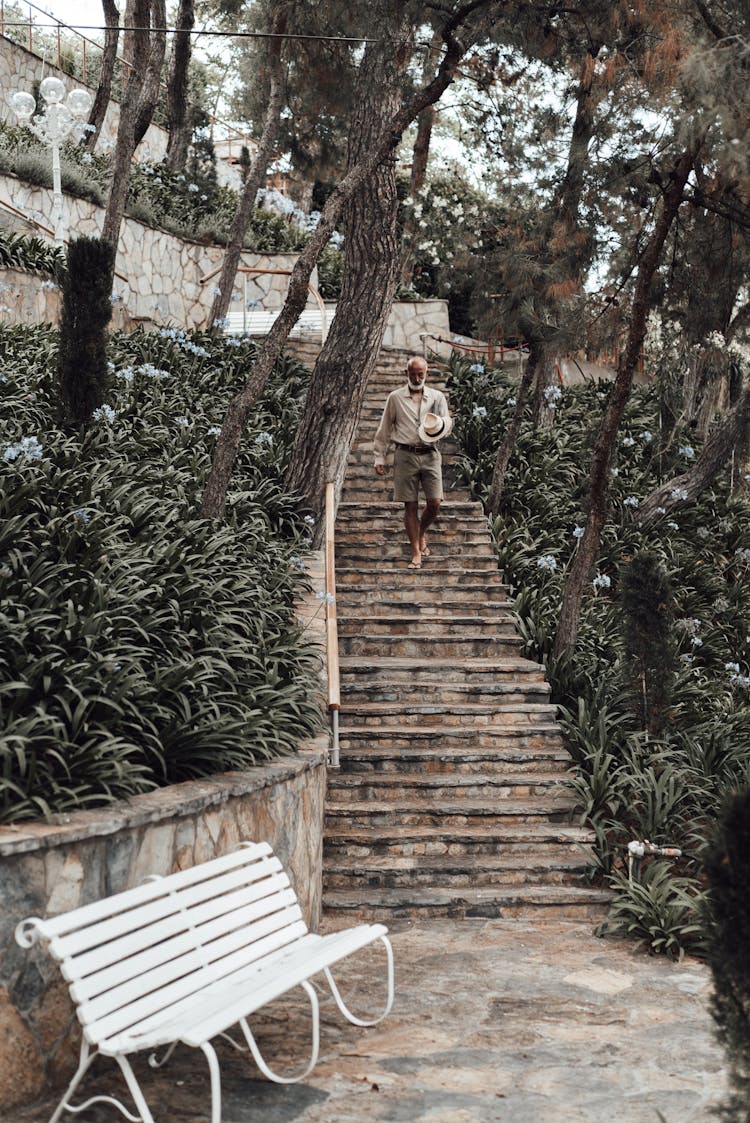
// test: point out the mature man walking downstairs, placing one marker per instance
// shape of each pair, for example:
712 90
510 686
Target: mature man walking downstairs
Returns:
415 418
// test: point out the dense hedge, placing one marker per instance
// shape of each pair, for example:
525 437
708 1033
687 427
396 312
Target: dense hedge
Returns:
666 782
140 644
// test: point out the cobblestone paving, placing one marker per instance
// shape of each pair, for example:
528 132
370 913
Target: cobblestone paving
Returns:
508 1020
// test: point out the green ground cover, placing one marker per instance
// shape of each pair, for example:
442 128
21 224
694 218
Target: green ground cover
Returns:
139 644
666 778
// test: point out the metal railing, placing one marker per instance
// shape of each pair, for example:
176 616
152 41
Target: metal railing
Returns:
332 635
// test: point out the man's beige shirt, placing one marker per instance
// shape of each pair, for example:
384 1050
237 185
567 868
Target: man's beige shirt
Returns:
403 415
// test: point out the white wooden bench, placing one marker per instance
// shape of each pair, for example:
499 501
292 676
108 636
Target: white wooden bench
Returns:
183 958
259 321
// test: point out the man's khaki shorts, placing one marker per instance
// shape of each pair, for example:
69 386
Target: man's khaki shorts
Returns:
410 469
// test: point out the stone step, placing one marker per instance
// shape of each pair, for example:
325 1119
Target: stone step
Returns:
474 604
426 647
453 671
446 871
362 491
422 715
384 788
486 599
427 624
533 840
444 694
456 811
394 555
449 738
543 902
435 574
460 761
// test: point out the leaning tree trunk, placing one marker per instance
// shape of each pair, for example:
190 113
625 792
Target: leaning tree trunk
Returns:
177 88
371 261
228 442
731 433
510 437
584 559
137 40
104 88
420 156
151 80
255 178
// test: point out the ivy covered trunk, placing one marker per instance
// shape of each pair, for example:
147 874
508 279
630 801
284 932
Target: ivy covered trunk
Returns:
371 262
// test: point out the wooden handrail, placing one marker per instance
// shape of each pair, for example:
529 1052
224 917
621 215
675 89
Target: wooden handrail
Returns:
332 634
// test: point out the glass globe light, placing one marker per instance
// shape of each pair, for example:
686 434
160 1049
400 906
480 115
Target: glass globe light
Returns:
52 90
79 102
23 105
64 120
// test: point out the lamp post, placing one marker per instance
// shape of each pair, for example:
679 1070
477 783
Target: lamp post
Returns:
59 120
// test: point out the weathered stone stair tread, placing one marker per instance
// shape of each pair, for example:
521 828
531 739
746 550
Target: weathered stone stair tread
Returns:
457 755
451 865
483 901
446 733
441 667
399 710
541 805
434 836
390 783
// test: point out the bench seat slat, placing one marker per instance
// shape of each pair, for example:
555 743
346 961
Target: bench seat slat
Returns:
98 937
220 1006
148 1014
160 961
88 914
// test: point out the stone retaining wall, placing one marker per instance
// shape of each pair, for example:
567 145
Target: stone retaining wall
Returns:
48 869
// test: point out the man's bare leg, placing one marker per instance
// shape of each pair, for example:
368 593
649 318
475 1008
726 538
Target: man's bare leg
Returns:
412 525
430 513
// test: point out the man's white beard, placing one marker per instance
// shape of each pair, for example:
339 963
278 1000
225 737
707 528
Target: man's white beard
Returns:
414 385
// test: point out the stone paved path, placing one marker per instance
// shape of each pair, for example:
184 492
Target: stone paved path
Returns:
506 1020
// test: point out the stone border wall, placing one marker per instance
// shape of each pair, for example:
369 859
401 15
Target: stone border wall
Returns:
48 869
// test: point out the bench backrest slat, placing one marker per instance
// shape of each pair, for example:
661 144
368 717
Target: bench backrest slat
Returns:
120 902
203 932
151 1009
100 935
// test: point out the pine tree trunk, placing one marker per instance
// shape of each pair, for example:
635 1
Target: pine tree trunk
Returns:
505 451
140 45
584 559
255 178
371 260
104 88
228 443
150 81
420 156
177 88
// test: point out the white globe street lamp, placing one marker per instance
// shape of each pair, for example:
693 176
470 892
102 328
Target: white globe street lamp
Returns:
59 120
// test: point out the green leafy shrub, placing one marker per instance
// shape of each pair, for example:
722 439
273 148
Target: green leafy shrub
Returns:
30 253
662 770
727 909
140 644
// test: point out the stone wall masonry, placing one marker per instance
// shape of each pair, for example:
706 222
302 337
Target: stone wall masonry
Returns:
20 69
46 869
158 275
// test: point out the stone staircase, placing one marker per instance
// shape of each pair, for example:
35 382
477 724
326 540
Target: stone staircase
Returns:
452 796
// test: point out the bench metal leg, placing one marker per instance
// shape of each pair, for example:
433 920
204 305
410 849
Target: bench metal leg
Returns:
215 1073
135 1090
258 1056
85 1059
389 999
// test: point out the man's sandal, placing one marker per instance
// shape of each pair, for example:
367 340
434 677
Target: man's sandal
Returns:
414 565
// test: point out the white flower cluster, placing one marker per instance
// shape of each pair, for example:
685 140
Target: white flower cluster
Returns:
687 451
601 581
28 447
552 397
548 562
631 501
679 493
479 411
104 413
579 531
628 442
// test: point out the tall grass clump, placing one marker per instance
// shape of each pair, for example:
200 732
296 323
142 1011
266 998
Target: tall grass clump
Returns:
141 645
655 701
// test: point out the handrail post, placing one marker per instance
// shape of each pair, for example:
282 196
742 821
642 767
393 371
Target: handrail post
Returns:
332 635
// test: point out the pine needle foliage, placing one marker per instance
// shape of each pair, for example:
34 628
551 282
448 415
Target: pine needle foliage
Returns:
648 615
86 310
728 925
